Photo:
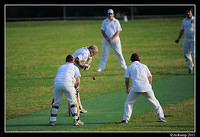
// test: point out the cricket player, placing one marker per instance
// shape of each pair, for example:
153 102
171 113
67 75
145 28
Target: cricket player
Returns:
83 59
188 27
141 85
63 83
110 30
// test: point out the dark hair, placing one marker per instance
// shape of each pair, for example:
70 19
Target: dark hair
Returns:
189 9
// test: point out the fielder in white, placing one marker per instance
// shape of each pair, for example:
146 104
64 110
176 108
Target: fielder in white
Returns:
83 59
141 85
110 30
63 83
188 27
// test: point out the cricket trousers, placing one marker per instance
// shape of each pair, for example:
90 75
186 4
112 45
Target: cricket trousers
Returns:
132 97
105 53
69 92
188 49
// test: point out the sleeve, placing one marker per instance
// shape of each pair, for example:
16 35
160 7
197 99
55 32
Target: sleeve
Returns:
119 28
148 72
103 26
77 73
127 74
81 56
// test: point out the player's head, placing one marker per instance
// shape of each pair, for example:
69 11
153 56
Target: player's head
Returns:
189 13
93 50
135 57
70 59
110 13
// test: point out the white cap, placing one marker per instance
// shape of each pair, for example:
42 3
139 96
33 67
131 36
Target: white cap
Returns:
110 11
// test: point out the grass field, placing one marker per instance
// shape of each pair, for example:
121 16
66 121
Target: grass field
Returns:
35 50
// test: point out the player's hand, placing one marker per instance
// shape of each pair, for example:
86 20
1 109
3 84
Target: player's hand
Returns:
177 40
127 91
86 66
110 41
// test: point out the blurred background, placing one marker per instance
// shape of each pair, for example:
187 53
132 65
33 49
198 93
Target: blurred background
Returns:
92 12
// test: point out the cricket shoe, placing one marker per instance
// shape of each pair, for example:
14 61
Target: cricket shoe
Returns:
190 71
162 119
124 122
83 111
99 70
124 68
78 122
52 123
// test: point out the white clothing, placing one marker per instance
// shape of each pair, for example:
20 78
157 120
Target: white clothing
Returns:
188 48
105 53
66 74
188 25
63 83
139 74
68 91
83 54
132 97
110 28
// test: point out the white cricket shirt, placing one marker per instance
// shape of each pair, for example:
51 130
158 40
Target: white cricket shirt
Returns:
83 54
110 28
66 74
139 74
188 25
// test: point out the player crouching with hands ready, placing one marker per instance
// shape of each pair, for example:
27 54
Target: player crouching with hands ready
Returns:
141 85
83 59
63 83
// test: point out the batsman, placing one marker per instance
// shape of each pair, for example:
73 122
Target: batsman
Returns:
83 59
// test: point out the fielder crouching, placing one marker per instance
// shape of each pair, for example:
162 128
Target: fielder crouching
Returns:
141 86
63 83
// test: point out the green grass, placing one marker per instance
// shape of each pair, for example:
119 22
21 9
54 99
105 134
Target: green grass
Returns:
110 107
35 50
179 116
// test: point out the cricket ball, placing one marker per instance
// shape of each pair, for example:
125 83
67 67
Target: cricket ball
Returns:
94 78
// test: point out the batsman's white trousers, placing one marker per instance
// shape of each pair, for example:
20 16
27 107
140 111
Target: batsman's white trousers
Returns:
188 48
132 97
69 92
105 53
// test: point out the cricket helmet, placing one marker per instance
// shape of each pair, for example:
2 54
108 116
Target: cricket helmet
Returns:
69 58
135 57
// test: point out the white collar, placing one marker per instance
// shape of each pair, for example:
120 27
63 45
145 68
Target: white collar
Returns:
114 19
135 62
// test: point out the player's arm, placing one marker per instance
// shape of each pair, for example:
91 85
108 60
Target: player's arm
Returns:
104 35
127 85
179 36
83 66
89 61
77 82
150 79
78 62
